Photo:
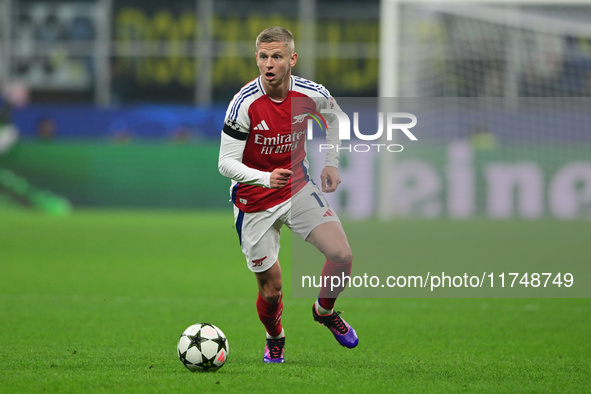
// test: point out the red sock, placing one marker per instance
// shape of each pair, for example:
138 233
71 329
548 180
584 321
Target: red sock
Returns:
328 296
270 315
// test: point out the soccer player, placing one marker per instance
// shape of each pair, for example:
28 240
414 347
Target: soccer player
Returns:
263 151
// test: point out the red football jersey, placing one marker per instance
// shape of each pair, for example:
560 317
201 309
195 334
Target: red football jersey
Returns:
275 138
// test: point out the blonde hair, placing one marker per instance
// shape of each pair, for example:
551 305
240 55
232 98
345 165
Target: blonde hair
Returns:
276 34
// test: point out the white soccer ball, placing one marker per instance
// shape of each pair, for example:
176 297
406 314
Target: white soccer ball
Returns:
203 347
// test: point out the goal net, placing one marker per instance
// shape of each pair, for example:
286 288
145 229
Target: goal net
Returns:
509 134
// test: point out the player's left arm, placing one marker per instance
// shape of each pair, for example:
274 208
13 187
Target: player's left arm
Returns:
330 179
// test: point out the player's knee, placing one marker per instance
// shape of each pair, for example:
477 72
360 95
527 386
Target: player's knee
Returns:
272 295
342 256
273 298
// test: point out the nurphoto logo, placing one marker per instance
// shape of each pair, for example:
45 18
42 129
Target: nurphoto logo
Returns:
394 121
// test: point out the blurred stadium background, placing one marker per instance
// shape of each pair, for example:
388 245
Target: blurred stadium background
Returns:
126 99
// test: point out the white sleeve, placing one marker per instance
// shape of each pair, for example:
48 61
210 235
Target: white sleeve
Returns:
332 134
230 164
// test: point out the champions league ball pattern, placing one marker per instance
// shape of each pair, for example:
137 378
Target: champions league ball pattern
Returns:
203 347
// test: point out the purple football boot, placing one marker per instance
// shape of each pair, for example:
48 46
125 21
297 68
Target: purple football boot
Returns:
343 332
274 350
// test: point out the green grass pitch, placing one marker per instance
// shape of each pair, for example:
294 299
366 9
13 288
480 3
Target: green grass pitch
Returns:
95 302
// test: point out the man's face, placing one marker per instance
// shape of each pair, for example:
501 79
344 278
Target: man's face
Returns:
274 62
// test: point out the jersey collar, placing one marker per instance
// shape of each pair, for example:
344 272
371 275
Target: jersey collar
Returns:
260 83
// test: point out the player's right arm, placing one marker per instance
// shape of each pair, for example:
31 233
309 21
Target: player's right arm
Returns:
230 165
232 145
234 141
